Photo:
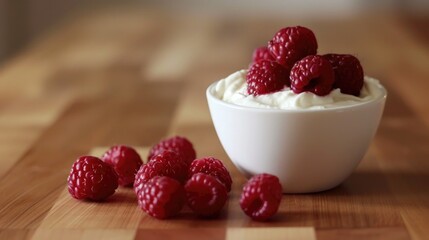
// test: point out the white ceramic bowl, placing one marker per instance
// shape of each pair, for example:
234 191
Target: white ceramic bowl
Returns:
309 150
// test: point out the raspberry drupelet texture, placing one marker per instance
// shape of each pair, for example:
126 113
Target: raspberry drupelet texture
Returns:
161 197
92 179
167 163
213 167
262 53
261 197
312 74
177 144
291 44
348 73
205 195
126 162
265 77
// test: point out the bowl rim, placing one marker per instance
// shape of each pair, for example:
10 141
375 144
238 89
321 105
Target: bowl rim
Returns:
211 97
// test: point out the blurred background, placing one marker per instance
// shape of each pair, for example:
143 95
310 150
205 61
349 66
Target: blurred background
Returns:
22 21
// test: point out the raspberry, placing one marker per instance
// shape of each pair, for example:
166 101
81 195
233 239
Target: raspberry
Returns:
126 162
291 44
178 144
205 195
348 73
92 179
213 167
314 74
161 197
266 77
167 163
261 53
261 196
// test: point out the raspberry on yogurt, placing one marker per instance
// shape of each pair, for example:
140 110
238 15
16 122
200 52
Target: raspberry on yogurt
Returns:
265 77
312 74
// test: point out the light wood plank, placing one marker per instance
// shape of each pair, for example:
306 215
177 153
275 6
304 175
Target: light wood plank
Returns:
84 234
304 233
120 211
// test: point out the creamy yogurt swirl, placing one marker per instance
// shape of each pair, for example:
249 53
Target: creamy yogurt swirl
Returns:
233 89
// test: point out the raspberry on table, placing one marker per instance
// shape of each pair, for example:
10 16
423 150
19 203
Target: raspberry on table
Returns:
312 74
92 179
291 44
126 162
167 163
181 145
205 195
213 167
348 73
261 197
262 53
265 77
161 197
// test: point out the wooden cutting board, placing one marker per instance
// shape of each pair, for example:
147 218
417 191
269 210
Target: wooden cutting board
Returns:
133 75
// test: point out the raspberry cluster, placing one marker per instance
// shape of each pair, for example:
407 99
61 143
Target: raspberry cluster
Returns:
170 179
291 60
173 177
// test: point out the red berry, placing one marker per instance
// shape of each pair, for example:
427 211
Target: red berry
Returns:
205 195
126 162
266 77
167 163
261 197
213 167
313 74
291 44
161 197
261 53
348 73
92 179
178 144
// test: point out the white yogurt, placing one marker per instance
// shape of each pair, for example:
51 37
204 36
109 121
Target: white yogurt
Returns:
233 89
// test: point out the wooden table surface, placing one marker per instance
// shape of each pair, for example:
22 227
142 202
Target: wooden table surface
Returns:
134 75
